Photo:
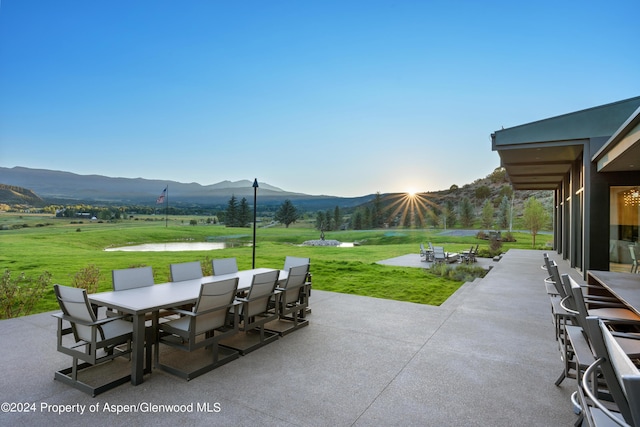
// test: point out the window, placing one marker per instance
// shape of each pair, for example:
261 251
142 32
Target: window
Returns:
624 217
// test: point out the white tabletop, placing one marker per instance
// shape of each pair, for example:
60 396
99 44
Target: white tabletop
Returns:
171 294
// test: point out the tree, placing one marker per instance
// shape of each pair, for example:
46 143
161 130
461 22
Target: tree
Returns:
286 213
535 217
376 211
450 214
466 212
320 220
337 217
504 212
487 214
244 216
357 220
231 216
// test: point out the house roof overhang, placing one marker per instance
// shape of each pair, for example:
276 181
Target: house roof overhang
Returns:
621 152
538 155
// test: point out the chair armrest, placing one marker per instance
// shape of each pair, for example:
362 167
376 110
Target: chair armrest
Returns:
567 309
84 323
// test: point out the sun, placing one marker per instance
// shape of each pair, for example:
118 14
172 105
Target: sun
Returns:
411 192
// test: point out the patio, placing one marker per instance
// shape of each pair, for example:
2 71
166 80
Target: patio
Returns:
487 356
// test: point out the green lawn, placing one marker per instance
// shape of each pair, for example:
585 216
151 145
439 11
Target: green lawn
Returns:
43 243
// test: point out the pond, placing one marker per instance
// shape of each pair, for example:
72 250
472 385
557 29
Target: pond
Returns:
177 247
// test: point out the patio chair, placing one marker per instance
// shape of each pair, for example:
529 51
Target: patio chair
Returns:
95 341
634 258
130 278
608 309
576 344
293 302
619 404
185 271
440 256
628 341
140 277
204 326
292 261
224 266
254 314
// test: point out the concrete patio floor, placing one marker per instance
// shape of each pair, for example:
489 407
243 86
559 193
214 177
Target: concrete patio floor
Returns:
486 357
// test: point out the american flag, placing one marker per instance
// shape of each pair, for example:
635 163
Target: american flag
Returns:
160 199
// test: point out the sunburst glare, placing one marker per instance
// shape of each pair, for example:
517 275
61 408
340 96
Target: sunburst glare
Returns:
411 208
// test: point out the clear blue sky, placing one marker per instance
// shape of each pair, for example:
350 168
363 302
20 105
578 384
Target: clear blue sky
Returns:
343 97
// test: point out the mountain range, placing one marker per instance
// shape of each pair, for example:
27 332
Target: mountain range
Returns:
66 187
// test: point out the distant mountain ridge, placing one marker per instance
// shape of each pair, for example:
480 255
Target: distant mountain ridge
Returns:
54 185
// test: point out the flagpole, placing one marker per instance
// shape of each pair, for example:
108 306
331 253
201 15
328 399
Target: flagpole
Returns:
166 208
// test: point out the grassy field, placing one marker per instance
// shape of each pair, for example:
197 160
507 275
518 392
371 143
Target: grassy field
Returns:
36 243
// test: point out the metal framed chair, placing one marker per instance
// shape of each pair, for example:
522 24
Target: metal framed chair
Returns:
130 278
203 327
292 302
224 266
255 313
94 341
185 271
292 261
619 403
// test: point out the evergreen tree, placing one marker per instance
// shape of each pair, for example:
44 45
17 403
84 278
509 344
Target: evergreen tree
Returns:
287 213
231 216
337 218
466 212
376 211
504 212
320 220
357 220
244 216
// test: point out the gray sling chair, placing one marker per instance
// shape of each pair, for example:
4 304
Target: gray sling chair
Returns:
577 353
203 327
186 271
292 301
224 266
254 313
140 277
292 261
619 404
95 341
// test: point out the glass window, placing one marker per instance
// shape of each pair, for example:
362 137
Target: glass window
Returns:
624 221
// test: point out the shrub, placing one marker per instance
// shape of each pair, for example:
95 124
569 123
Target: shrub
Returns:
19 295
87 279
460 273
495 247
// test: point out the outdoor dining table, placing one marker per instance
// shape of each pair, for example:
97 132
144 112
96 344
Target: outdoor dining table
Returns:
138 302
624 286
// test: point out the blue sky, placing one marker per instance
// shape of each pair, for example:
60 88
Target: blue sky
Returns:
343 98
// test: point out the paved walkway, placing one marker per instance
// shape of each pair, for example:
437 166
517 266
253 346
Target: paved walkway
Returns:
487 357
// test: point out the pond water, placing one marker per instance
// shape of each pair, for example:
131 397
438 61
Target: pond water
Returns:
177 247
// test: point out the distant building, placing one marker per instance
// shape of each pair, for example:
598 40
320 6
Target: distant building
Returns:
591 160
